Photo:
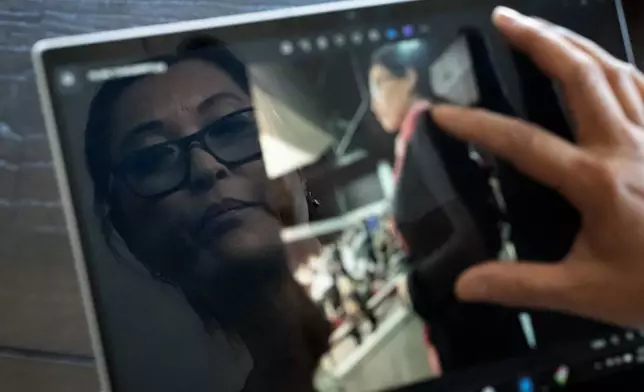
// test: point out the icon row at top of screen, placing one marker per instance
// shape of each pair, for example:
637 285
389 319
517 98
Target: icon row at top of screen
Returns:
358 37
355 38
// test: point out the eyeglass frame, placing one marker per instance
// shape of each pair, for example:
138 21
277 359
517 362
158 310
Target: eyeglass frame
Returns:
186 144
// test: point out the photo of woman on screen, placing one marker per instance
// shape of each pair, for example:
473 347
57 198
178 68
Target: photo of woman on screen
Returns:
178 175
444 213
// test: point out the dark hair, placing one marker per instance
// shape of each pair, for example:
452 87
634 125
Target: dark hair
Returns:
97 130
400 57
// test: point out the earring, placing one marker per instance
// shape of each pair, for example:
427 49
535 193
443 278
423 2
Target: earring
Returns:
312 201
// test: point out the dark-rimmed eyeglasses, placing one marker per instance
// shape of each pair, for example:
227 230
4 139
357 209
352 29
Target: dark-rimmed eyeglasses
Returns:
164 168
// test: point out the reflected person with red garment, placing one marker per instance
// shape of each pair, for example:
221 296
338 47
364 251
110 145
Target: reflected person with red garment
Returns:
444 215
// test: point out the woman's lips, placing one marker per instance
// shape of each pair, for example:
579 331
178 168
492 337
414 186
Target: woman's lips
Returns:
216 218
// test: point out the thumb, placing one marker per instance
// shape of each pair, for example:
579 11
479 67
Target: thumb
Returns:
522 284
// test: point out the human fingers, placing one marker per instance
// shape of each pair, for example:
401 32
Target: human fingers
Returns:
532 150
621 75
579 287
639 80
544 286
592 102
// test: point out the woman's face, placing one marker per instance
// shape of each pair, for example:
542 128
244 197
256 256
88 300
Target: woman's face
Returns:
222 212
391 96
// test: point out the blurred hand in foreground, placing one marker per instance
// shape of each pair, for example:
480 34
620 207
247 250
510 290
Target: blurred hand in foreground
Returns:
602 175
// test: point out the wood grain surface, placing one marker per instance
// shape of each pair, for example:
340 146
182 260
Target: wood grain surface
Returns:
43 333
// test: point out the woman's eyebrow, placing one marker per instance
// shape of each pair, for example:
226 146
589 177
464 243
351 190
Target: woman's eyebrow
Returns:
215 100
154 126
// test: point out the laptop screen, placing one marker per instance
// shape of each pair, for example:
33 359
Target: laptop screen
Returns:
270 206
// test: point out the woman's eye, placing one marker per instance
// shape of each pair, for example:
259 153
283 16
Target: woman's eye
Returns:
147 141
152 160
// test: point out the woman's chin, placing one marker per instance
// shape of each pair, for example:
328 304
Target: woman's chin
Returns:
253 239
242 257
244 244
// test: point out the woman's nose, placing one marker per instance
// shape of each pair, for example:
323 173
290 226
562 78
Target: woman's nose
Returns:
205 171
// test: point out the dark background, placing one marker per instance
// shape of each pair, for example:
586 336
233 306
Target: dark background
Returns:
44 341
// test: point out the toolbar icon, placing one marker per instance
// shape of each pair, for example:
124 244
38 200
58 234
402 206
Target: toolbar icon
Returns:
339 40
391 33
67 79
357 37
374 35
526 384
322 42
408 31
286 48
561 375
598 344
305 45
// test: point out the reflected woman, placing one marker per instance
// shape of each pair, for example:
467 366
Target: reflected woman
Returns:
178 175
444 214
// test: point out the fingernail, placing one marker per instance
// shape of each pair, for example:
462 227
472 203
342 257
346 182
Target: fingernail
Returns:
504 16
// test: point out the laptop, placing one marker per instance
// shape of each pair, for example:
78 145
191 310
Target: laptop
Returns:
241 219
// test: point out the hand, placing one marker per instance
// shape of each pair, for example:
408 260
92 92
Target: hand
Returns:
602 277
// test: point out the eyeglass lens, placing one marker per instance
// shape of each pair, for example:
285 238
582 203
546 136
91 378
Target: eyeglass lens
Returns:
159 169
